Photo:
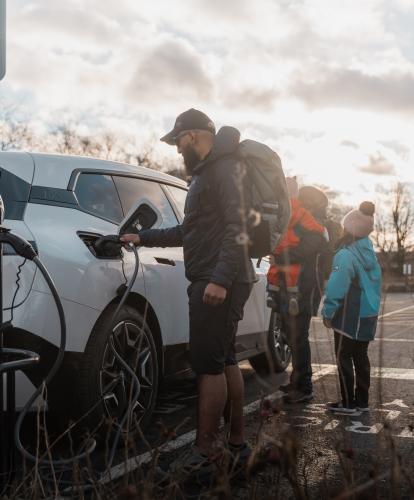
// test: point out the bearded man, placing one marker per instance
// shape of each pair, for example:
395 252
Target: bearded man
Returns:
220 274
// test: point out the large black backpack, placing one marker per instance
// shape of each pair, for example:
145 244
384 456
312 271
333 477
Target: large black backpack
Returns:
266 197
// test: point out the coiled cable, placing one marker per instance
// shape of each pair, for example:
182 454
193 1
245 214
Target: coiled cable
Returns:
27 251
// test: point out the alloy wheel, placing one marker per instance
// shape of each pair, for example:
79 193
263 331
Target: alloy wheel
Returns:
282 349
132 343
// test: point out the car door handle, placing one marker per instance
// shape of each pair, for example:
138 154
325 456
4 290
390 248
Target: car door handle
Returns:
162 260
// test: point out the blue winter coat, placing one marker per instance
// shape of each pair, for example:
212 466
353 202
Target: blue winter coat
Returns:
353 293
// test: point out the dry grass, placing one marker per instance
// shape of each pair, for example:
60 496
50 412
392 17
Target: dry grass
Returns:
284 464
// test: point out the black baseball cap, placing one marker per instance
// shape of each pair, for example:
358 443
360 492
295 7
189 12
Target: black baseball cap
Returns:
192 119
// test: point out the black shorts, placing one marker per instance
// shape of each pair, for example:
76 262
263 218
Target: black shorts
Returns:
213 328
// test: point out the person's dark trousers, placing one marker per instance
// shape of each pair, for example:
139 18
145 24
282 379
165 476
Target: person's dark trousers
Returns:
352 354
298 339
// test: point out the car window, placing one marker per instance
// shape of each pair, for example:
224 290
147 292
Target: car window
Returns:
131 190
96 193
179 196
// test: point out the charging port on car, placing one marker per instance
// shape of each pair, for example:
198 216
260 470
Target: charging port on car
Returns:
110 250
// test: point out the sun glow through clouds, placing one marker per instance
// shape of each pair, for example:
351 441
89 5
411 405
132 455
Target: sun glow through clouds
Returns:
328 84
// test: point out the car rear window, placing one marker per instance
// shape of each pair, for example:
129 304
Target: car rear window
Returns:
131 190
96 194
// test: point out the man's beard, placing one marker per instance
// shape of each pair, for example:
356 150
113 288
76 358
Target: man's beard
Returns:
191 159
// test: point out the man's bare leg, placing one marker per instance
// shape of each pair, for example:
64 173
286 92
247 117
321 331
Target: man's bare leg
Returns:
234 408
212 397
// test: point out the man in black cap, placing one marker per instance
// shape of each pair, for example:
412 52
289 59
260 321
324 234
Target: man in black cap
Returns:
220 274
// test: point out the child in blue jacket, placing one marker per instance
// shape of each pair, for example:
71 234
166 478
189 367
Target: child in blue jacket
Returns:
351 307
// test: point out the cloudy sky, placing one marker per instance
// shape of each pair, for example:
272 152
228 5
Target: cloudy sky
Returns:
328 84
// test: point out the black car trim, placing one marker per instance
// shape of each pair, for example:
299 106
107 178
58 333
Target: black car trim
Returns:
57 197
72 206
75 174
52 196
15 193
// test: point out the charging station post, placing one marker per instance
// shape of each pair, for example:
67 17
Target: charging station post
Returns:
11 360
6 462
3 448
2 38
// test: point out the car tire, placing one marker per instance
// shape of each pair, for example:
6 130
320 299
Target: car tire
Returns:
104 383
278 355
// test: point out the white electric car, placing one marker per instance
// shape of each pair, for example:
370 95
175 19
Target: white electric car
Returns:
62 204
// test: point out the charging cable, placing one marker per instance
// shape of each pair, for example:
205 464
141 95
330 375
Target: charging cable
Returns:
125 365
25 249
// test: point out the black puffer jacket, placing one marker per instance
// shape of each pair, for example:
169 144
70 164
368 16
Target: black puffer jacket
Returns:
212 231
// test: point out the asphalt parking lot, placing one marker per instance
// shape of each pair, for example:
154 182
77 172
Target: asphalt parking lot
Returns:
304 451
372 453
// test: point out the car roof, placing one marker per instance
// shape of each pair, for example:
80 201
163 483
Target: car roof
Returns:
55 170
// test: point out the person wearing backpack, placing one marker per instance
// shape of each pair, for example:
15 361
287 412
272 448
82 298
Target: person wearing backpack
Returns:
310 253
287 275
221 275
351 307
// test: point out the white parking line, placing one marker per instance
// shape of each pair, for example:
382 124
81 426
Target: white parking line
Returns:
378 339
189 437
376 372
395 312
321 370
401 331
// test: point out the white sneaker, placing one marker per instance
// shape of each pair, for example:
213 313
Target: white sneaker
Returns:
340 408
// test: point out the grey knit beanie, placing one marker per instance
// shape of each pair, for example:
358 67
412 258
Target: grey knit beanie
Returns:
360 222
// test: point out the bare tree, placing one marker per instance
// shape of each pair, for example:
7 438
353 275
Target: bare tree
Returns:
394 225
14 136
402 220
15 132
383 238
66 139
177 172
145 157
109 145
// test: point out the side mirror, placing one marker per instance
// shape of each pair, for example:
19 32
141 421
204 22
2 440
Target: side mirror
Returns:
144 217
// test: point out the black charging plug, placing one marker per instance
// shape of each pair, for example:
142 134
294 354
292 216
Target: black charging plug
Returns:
20 245
108 246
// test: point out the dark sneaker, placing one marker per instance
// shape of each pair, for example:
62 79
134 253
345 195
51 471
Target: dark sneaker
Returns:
342 409
293 306
286 388
240 452
239 457
293 397
193 464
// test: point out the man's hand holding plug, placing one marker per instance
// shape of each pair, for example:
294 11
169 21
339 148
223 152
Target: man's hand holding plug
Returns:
130 238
